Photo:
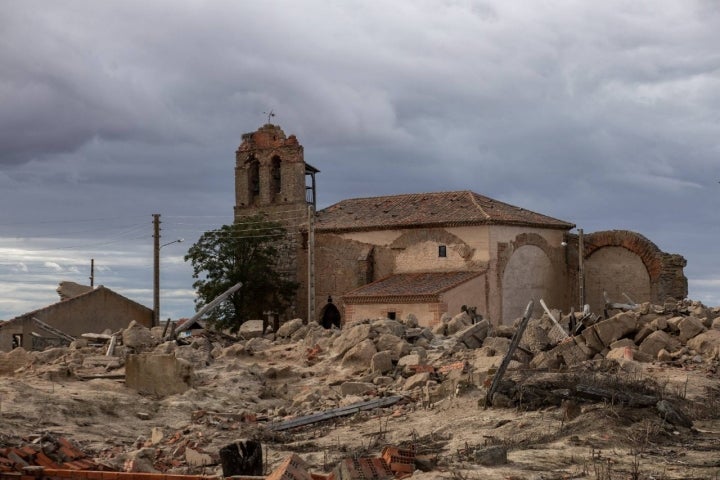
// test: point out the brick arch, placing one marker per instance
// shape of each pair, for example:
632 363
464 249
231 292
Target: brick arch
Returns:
422 235
649 253
506 251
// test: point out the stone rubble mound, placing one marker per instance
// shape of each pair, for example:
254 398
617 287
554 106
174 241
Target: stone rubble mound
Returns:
303 369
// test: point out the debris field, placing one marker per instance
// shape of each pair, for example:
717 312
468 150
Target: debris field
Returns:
632 393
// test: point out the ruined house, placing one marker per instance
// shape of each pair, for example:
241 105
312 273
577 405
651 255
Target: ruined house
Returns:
91 312
431 253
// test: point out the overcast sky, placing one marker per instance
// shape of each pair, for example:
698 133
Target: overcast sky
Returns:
604 114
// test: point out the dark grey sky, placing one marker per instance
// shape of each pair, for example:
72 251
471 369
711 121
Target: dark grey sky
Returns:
604 114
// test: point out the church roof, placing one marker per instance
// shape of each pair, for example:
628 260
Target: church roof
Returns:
440 209
408 286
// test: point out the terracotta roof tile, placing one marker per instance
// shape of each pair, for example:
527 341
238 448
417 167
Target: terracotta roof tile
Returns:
426 210
410 285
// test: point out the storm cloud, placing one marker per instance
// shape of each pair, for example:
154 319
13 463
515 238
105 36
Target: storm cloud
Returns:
604 114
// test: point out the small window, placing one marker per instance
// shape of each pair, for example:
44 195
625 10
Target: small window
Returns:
391 315
442 251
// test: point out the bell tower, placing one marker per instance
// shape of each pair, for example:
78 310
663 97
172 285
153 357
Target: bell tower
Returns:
272 178
271 173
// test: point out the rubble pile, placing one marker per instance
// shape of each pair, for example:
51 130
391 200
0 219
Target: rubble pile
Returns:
45 451
304 391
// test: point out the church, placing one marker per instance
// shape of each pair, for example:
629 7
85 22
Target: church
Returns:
430 254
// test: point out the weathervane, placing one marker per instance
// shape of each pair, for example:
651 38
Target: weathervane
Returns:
270 114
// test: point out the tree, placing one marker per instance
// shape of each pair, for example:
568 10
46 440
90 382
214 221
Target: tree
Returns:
245 252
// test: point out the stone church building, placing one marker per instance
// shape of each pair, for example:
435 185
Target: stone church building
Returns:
431 253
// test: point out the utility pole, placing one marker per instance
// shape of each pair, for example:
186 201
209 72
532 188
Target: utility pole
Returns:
156 269
581 268
311 264
92 272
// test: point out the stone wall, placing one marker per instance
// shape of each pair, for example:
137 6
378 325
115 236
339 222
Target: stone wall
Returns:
664 270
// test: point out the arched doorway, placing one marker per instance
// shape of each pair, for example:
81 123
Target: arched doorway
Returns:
330 315
528 275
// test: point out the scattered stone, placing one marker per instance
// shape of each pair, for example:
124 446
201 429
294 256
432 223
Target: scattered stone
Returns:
381 362
657 341
356 388
361 354
707 343
616 327
490 456
349 338
251 329
416 381
138 337
196 458
690 327
672 415
457 323
473 336
287 329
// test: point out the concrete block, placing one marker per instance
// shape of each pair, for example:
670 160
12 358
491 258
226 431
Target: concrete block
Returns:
159 375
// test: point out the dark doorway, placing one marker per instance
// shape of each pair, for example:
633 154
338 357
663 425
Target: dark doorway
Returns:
330 315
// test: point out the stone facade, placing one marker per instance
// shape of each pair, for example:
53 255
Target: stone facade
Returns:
519 254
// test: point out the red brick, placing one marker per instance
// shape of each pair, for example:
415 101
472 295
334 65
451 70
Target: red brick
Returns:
45 461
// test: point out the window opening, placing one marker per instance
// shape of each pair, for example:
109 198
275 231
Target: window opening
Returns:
392 315
442 251
275 175
254 178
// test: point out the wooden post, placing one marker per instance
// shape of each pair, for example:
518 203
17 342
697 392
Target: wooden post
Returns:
311 265
508 356
581 267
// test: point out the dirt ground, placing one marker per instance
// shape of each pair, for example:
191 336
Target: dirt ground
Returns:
240 392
